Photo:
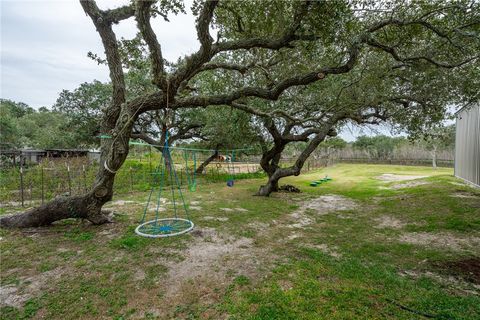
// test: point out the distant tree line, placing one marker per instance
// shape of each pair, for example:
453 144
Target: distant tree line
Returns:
73 123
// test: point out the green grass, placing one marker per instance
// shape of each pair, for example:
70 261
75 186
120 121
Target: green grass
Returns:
340 266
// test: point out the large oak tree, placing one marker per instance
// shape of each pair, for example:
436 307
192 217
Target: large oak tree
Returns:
279 47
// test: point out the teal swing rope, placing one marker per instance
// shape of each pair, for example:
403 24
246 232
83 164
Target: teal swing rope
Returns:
157 170
159 195
231 170
168 161
179 190
167 226
191 179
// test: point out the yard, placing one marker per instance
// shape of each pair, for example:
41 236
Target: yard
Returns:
366 245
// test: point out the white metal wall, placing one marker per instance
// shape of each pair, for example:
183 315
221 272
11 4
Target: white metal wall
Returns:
467 145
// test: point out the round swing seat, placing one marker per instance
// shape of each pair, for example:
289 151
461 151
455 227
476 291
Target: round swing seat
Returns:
162 228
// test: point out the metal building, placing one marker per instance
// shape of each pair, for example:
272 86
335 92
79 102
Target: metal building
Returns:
467 145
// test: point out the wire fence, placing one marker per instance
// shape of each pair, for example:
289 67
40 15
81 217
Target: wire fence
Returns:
447 163
37 184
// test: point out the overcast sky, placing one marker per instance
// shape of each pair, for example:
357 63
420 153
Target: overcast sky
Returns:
44 46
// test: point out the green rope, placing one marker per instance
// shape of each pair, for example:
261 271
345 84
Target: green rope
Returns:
151 190
191 179
159 195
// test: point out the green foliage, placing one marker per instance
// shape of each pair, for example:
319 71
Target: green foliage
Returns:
83 109
438 138
380 146
335 143
10 112
46 129
22 126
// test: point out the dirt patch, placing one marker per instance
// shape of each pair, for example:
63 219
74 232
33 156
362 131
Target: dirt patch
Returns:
211 251
390 177
139 275
260 226
210 218
399 197
329 203
301 222
458 183
410 184
294 235
440 240
155 209
330 250
234 209
388 222
207 267
464 194
196 208
451 281
29 287
321 206
285 284
466 269
119 203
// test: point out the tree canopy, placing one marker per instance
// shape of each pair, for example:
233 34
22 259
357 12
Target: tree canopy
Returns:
300 69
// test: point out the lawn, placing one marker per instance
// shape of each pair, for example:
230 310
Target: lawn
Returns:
356 247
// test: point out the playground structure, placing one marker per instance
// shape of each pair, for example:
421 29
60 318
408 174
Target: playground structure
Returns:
164 217
320 181
158 227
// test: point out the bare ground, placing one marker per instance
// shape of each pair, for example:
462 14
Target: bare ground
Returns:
441 240
321 206
28 287
209 264
410 184
390 177
389 222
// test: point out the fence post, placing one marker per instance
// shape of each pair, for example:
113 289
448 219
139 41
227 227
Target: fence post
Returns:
41 182
131 179
84 178
30 185
21 185
69 181
150 159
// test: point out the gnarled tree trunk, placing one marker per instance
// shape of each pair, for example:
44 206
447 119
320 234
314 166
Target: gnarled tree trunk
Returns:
271 158
207 161
87 206
84 206
117 121
271 186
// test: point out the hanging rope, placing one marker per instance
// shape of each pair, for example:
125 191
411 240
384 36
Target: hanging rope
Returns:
170 226
231 170
191 178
